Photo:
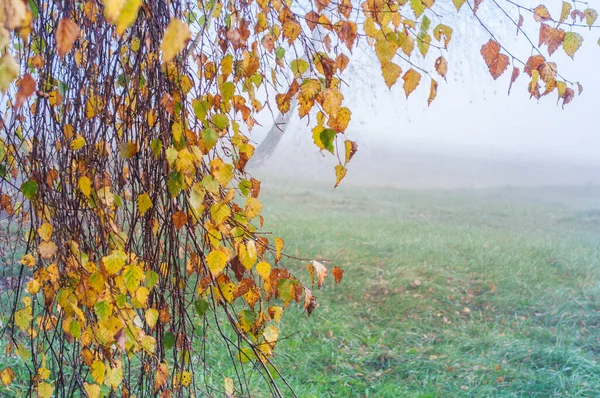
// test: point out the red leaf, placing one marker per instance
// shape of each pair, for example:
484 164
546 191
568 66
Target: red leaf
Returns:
26 89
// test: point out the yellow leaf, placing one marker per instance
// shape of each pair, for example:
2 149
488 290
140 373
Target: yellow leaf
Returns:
112 9
176 37
78 143
114 377
320 270
458 4
85 186
7 375
247 254
565 11
264 270
92 390
541 13
271 334
572 43
115 261
44 390
151 316
333 101
228 384
186 378
279 242
128 15
33 287
253 208
223 172
340 173
411 81
45 231
144 203
132 276
148 343
216 261
43 373
28 260
391 72
351 148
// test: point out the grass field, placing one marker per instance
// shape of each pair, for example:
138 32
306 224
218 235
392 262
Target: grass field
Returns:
446 293
467 293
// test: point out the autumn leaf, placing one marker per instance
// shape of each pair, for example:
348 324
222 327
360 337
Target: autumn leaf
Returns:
541 13
9 71
44 390
565 11
350 148
85 185
176 37
391 72
551 37
115 261
443 31
340 173
45 231
216 261
572 43
92 390
179 219
432 92
412 78
47 250
458 4
144 203
127 15
590 17
67 32
496 62
26 89
441 66
151 317
7 375
319 270
279 243
515 74
338 274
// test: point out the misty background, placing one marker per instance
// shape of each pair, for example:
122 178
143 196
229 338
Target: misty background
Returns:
474 134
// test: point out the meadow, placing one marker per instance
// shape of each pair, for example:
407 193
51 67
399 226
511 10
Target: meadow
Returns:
446 293
490 292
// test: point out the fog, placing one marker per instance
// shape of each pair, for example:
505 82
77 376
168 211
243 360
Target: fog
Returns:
474 133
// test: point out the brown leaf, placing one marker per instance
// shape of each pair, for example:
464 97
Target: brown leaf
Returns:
179 219
320 270
238 268
26 89
496 62
67 32
552 37
515 74
476 6
338 274
310 302
520 23
243 287
441 67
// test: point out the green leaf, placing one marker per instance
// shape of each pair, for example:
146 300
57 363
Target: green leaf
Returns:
35 12
227 90
210 138
280 52
220 121
201 307
151 279
327 137
132 276
169 340
200 109
75 328
102 310
30 189
156 147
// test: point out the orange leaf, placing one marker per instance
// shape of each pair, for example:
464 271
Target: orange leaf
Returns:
412 78
338 274
496 62
26 89
66 34
179 219
432 92
552 37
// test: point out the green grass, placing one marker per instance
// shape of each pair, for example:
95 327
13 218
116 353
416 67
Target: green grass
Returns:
466 293
445 293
